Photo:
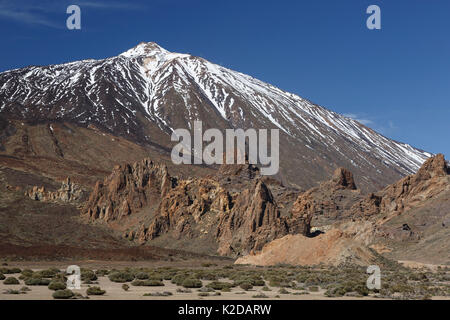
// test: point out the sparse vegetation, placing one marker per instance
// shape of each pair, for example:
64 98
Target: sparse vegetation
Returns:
142 276
147 283
11 291
37 282
217 285
118 276
11 281
347 280
95 291
10 270
192 283
63 294
158 294
57 285
88 276
246 286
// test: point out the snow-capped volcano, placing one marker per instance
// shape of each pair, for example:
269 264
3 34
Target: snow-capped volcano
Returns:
147 91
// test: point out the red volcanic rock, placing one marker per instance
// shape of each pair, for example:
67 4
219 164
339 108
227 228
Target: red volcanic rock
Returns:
239 218
128 189
253 221
344 178
431 180
434 166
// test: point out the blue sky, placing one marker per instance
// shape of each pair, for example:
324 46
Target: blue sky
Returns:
396 80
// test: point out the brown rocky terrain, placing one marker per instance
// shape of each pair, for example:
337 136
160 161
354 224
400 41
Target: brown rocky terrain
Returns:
431 180
407 220
232 212
68 192
331 248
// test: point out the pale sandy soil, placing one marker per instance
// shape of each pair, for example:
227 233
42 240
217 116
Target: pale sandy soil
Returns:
114 291
420 265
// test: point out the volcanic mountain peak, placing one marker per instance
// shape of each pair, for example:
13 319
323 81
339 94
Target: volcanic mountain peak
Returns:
146 92
144 49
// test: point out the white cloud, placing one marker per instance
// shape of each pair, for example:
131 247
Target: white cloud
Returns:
40 12
26 13
361 120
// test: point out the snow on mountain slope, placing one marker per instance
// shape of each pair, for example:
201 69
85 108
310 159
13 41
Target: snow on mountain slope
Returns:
147 91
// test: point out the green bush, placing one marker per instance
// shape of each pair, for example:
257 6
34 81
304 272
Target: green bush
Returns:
88 275
48 273
283 291
179 278
11 280
27 273
101 272
142 276
10 270
217 285
119 276
56 285
192 283
203 294
125 287
11 291
95 291
60 277
2 276
147 283
246 286
37 282
158 294
63 294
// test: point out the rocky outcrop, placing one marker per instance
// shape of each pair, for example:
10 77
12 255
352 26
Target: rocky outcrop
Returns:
187 208
128 189
329 201
432 179
253 221
69 192
239 222
234 208
343 179
331 248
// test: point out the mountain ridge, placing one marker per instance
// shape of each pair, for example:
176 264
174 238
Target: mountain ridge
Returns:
146 92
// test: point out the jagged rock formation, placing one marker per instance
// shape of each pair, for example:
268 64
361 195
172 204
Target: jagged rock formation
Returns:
239 217
411 213
235 212
69 192
128 189
343 179
253 221
329 201
431 180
